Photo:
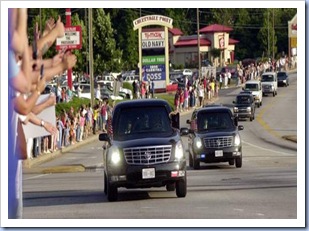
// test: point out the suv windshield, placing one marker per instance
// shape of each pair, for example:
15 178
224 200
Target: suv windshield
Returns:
251 86
138 121
243 99
267 78
214 120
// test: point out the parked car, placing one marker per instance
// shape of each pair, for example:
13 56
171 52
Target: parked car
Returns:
255 87
105 79
269 83
146 149
187 72
214 137
244 106
283 79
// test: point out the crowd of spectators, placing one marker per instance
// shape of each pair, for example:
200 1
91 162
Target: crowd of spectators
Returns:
28 73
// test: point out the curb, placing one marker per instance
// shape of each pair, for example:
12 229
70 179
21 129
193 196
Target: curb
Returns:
29 163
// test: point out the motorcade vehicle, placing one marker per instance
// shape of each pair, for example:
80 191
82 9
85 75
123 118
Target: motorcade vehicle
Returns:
213 136
283 79
255 87
244 106
145 148
269 83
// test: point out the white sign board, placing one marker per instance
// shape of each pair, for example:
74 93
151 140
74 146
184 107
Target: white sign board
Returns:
49 115
72 39
153 44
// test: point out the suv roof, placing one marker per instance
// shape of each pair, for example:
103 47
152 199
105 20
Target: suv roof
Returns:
253 81
214 108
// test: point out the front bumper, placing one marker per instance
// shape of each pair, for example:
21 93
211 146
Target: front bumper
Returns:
243 114
212 155
131 176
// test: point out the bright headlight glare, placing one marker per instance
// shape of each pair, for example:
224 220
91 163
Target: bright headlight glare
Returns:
237 140
179 153
115 155
235 109
248 108
198 142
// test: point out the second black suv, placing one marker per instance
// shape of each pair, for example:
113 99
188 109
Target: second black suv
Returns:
214 137
244 106
145 149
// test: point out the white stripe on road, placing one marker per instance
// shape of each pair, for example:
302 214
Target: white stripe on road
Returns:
33 177
269 150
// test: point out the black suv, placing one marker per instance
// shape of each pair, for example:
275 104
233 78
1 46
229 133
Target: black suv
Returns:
244 106
214 137
145 149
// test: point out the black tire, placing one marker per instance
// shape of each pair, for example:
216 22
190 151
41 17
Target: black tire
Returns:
112 192
251 118
181 188
238 162
261 103
190 160
196 164
170 187
105 184
231 162
274 94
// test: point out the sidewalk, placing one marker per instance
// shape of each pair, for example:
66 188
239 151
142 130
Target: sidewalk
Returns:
29 163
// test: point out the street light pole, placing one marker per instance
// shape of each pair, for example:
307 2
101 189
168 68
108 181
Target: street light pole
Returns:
91 57
273 35
198 41
268 44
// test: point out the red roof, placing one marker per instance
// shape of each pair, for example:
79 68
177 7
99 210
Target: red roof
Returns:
233 41
215 28
175 31
192 42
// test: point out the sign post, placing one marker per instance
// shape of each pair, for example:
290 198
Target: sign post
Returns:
68 23
72 39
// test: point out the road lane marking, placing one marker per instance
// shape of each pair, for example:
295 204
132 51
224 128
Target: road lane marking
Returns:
269 150
34 177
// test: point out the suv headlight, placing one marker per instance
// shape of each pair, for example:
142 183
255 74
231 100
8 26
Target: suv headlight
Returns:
237 140
198 142
235 109
248 108
115 155
179 153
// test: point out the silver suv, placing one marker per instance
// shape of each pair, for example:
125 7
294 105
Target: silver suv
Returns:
269 83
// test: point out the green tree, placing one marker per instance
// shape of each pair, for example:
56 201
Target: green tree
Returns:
266 36
126 37
107 57
82 54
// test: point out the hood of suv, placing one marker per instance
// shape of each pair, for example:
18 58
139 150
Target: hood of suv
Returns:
148 141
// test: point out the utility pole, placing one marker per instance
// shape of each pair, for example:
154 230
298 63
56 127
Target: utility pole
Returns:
41 23
86 57
198 41
273 35
90 56
268 49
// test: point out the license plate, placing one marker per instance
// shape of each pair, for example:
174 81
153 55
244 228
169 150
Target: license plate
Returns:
218 153
148 173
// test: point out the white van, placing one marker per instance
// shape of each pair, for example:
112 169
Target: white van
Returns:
269 83
255 87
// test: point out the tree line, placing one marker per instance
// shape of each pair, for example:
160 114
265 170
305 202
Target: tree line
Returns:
261 32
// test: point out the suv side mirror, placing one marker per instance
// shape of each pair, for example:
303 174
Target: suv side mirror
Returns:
175 120
236 121
104 137
188 121
184 131
240 127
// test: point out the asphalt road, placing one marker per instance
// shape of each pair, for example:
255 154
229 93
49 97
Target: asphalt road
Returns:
266 187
